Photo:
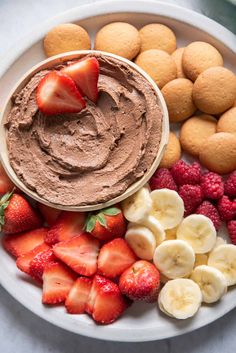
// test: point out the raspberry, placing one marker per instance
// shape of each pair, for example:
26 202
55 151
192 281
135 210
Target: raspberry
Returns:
226 208
232 231
184 173
162 179
210 211
192 196
212 185
230 185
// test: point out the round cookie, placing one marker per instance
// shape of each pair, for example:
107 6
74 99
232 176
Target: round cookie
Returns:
158 64
157 36
178 97
218 153
119 38
177 56
214 91
227 121
199 56
172 152
195 131
66 37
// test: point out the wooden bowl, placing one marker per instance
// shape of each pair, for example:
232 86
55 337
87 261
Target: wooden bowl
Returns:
51 62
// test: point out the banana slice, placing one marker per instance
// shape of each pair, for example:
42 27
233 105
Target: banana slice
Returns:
224 259
142 241
219 241
199 232
174 258
155 227
180 298
137 207
168 207
200 259
211 282
171 233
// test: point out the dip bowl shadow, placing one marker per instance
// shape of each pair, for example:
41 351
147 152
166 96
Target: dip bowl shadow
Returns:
49 63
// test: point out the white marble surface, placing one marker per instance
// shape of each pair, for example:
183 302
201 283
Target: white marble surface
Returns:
23 332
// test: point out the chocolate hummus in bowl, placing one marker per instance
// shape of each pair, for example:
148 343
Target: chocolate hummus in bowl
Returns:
91 159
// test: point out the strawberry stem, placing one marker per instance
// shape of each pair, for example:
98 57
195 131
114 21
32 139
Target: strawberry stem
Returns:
4 202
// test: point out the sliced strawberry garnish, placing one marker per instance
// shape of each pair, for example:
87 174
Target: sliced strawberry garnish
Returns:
115 257
85 74
49 214
57 93
105 303
39 262
77 298
6 184
19 244
23 261
68 225
80 253
57 283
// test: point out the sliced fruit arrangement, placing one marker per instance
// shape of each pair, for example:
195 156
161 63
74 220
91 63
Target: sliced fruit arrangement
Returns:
160 246
62 91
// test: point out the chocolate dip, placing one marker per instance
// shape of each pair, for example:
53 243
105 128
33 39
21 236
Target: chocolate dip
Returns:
92 156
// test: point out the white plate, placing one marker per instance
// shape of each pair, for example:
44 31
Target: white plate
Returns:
141 322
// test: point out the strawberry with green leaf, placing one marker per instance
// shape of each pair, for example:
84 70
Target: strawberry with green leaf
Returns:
107 224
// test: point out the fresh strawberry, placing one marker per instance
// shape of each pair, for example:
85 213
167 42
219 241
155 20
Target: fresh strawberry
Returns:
39 262
115 257
21 243
80 253
141 281
49 214
105 303
68 225
17 215
77 298
23 261
57 93
85 73
6 184
107 224
57 283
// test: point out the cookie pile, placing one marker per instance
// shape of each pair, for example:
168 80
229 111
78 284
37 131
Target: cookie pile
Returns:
198 90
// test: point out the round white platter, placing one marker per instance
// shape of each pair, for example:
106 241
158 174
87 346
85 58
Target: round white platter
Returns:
141 322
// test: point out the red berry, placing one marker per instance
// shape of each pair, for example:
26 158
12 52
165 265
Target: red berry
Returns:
210 211
141 281
232 231
212 185
162 179
230 185
192 196
226 208
184 173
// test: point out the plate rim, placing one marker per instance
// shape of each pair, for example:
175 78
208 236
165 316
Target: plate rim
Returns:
76 14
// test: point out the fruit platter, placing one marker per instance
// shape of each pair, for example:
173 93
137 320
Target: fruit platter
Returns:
118 173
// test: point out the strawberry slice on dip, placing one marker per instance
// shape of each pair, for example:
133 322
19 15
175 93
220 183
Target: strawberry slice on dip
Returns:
57 93
85 73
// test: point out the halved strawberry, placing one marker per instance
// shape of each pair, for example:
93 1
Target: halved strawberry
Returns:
6 185
17 215
67 225
19 244
85 73
39 262
105 303
57 283
80 253
57 93
23 261
115 257
49 214
77 298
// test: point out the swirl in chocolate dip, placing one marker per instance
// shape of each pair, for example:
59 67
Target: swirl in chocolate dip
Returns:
92 156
